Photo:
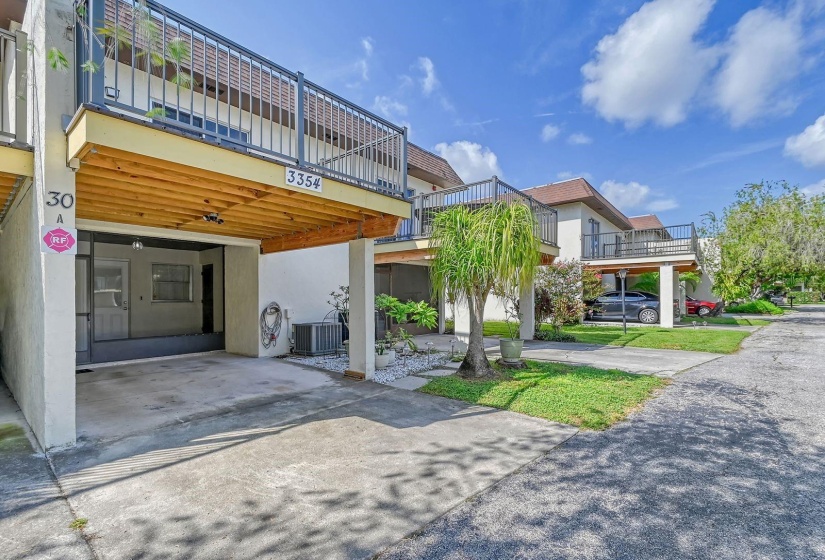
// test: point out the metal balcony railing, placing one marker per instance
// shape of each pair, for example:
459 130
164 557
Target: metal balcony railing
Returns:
475 195
141 58
13 72
671 240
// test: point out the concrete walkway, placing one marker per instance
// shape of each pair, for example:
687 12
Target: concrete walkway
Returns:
314 466
663 363
728 463
34 518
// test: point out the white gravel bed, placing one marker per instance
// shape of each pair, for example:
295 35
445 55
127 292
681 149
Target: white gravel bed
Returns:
402 367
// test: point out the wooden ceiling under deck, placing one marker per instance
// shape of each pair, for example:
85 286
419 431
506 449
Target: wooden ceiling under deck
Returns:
7 183
125 187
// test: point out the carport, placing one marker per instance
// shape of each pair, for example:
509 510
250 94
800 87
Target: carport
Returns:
253 458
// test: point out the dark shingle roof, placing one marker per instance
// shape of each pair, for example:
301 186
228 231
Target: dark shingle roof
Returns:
431 167
648 221
579 190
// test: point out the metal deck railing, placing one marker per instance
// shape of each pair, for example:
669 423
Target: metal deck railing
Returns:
13 72
141 58
666 241
426 206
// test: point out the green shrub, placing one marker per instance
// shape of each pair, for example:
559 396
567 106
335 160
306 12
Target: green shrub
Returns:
759 306
805 297
552 336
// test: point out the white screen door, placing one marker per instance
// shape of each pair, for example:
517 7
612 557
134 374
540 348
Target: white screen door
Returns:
111 295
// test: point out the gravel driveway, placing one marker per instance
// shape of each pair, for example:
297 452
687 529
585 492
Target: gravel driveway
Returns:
728 463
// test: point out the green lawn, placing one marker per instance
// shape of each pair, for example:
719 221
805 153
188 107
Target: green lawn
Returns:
700 340
587 397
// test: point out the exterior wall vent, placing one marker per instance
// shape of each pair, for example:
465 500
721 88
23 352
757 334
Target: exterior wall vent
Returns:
317 339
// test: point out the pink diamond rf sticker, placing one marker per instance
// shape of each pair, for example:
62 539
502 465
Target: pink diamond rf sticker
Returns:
59 240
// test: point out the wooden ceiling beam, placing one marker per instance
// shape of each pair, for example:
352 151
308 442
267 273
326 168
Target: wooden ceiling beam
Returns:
372 228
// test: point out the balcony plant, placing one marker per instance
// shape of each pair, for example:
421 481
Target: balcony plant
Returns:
475 250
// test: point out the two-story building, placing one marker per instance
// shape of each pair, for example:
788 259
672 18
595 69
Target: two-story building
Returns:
157 181
594 231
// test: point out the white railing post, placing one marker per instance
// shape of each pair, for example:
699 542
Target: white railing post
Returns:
21 60
299 120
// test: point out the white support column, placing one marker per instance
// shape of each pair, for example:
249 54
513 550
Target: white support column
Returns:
680 293
462 325
527 308
361 309
667 283
442 312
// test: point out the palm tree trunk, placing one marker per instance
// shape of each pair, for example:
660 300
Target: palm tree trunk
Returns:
475 362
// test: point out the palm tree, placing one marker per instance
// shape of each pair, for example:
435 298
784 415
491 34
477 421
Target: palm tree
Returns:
494 245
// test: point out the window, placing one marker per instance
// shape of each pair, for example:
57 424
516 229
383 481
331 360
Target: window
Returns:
198 122
171 283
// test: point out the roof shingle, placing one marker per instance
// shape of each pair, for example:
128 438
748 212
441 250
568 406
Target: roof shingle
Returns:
648 221
579 190
435 168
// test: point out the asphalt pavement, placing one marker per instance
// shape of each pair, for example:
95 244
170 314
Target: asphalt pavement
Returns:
729 462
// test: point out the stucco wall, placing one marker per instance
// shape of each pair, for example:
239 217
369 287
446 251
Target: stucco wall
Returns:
21 310
302 281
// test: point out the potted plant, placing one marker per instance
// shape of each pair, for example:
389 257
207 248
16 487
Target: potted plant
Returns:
390 341
340 305
382 357
511 347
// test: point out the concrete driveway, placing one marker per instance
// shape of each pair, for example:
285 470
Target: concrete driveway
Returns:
310 466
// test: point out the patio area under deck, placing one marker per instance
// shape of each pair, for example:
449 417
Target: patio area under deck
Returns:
139 173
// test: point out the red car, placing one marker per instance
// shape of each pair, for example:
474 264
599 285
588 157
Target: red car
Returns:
699 307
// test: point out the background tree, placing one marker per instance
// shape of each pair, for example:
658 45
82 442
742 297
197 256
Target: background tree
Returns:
475 250
559 295
649 281
769 232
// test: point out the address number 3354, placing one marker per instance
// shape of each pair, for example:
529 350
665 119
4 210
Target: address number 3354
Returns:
297 178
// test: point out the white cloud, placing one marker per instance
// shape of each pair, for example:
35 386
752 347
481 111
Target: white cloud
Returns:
429 82
473 162
579 139
549 132
808 146
652 67
368 45
814 189
635 196
764 53
389 107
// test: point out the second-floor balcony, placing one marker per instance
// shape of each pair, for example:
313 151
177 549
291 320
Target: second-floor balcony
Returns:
640 244
141 59
426 206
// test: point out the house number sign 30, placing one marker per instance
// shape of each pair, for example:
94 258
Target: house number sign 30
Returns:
65 200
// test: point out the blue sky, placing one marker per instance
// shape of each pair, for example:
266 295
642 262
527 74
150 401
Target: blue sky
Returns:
666 106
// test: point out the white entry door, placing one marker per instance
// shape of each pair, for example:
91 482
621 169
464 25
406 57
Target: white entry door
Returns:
111 295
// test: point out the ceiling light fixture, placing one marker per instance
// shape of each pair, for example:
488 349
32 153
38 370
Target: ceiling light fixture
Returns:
212 217
137 244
